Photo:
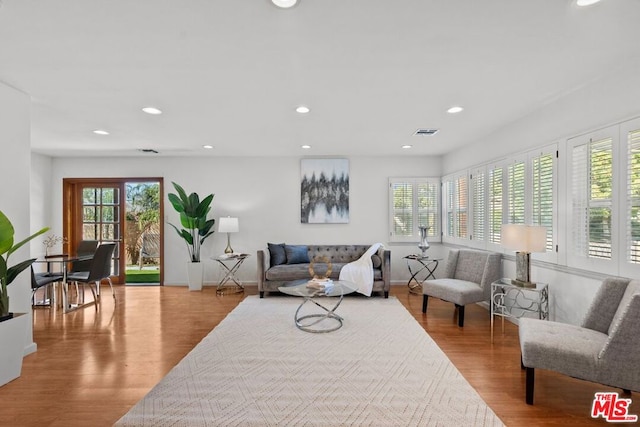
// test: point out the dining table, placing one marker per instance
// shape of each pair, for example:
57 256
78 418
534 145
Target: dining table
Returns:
62 261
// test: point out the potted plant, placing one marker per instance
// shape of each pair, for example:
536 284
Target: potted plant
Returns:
13 327
196 228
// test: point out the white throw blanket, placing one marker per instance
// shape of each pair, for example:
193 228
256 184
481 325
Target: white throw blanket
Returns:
360 272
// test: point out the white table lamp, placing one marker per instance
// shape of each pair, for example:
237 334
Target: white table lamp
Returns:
228 225
524 239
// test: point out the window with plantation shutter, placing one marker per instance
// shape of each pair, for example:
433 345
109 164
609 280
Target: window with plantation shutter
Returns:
516 193
542 189
414 202
495 204
461 207
478 205
455 195
592 186
633 197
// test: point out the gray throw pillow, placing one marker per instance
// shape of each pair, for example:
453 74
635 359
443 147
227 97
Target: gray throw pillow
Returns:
277 254
296 254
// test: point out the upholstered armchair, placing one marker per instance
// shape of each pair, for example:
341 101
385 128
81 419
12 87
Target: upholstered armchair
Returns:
605 349
467 279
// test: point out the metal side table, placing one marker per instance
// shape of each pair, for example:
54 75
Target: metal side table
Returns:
513 301
424 268
230 283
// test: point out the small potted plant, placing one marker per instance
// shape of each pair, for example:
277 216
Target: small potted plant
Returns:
13 327
196 228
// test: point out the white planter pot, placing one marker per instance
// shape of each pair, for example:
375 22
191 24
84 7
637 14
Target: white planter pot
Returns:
13 336
195 272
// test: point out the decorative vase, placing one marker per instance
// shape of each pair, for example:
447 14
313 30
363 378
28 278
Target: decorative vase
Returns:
195 272
424 244
13 336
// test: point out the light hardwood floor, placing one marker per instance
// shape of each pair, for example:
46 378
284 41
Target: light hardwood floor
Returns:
92 366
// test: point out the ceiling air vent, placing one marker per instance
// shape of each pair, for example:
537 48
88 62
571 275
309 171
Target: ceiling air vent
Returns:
426 132
148 150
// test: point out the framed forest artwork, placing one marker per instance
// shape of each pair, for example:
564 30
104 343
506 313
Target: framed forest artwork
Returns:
324 191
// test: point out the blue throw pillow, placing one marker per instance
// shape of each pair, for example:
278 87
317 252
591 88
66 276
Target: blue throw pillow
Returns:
296 254
277 254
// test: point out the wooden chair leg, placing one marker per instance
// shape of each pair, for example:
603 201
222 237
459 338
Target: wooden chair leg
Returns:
529 387
425 300
460 315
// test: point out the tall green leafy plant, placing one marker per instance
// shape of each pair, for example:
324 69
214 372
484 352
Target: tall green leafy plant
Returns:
7 247
193 218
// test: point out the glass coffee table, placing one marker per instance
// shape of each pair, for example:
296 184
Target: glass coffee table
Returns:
328 321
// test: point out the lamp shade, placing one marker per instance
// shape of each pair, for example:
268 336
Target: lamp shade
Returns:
228 225
524 238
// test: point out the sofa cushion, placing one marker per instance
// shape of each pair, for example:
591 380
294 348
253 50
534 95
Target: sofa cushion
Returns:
277 255
296 254
288 272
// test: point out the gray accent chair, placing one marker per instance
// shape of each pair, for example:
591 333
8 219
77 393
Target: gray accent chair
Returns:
605 349
467 279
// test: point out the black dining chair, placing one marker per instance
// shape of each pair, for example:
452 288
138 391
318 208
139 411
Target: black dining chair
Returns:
100 269
85 248
43 281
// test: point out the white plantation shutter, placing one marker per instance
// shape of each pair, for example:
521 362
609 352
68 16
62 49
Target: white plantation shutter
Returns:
542 179
592 180
516 192
478 205
402 206
495 204
455 196
600 203
448 190
461 207
413 202
633 198
427 206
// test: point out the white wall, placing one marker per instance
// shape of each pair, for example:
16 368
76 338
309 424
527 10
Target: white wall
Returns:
264 193
611 99
14 191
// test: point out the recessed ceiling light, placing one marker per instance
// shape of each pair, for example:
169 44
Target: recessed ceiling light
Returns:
455 109
208 147
303 109
285 4
100 132
407 146
583 3
152 110
306 146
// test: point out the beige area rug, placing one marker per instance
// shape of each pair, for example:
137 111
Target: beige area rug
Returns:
257 369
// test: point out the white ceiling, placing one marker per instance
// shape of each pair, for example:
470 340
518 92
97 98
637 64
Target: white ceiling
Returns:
230 72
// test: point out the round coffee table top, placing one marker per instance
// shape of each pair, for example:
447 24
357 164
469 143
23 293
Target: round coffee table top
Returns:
299 288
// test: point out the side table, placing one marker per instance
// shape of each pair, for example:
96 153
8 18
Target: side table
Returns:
424 270
229 266
513 301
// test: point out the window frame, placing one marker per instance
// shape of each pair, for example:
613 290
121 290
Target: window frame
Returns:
433 234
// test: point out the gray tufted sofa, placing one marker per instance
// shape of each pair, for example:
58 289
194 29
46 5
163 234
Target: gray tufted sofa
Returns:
271 276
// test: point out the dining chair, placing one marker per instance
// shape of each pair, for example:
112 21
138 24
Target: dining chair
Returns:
84 248
100 269
43 281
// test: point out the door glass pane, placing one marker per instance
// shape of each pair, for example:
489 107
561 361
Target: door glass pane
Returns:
100 217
